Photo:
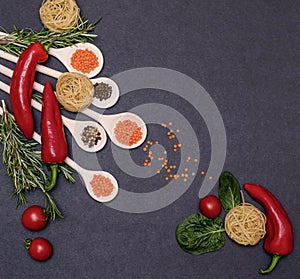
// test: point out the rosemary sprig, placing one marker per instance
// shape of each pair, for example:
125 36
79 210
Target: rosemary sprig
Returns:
16 41
24 164
22 160
66 171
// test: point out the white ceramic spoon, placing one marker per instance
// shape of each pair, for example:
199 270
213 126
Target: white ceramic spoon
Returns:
64 56
74 126
55 74
107 121
87 175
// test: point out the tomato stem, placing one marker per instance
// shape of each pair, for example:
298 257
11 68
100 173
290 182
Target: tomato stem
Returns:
27 243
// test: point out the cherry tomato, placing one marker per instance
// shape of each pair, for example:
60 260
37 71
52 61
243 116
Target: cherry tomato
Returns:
210 206
40 249
34 218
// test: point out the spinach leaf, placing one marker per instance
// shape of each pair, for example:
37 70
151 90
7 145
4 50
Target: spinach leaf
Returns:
229 191
198 234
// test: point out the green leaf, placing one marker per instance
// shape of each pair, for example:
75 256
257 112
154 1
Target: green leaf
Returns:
229 191
198 234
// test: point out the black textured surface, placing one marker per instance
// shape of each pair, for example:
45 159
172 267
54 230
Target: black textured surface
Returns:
246 55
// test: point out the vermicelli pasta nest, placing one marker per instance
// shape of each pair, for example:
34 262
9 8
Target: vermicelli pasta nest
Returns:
59 15
245 224
74 91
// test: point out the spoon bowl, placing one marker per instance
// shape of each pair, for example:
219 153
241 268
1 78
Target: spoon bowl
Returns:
65 54
88 176
106 94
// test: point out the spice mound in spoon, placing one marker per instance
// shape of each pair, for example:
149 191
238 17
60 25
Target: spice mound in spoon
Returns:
103 91
101 185
84 60
90 136
128 132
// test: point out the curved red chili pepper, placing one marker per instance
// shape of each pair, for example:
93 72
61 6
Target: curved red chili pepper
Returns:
21 86
270 232
54 143
279 239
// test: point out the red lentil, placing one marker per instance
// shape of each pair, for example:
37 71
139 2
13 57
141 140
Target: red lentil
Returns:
170 171
128 132
84 60
101 185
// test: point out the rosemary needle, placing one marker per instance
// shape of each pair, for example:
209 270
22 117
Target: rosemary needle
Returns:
16 41
24 164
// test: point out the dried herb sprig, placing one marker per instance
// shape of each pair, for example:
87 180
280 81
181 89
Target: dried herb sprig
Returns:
16 41
66 171
24 164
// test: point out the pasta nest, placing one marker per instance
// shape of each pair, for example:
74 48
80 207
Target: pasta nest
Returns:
74 91
245 224
59 15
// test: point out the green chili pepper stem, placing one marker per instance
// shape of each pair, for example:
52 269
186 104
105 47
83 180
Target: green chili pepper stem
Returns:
53 168
274 261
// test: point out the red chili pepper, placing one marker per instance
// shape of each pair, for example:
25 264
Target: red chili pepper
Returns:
279 239
21 86
54 143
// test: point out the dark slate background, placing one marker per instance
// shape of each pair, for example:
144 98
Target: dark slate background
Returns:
246 55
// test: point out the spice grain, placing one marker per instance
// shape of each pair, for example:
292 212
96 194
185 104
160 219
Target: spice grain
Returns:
101 185
103 91
128 132
84 60
90 136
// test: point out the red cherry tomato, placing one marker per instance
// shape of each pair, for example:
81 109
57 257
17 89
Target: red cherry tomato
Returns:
34 218
210 206
40 249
